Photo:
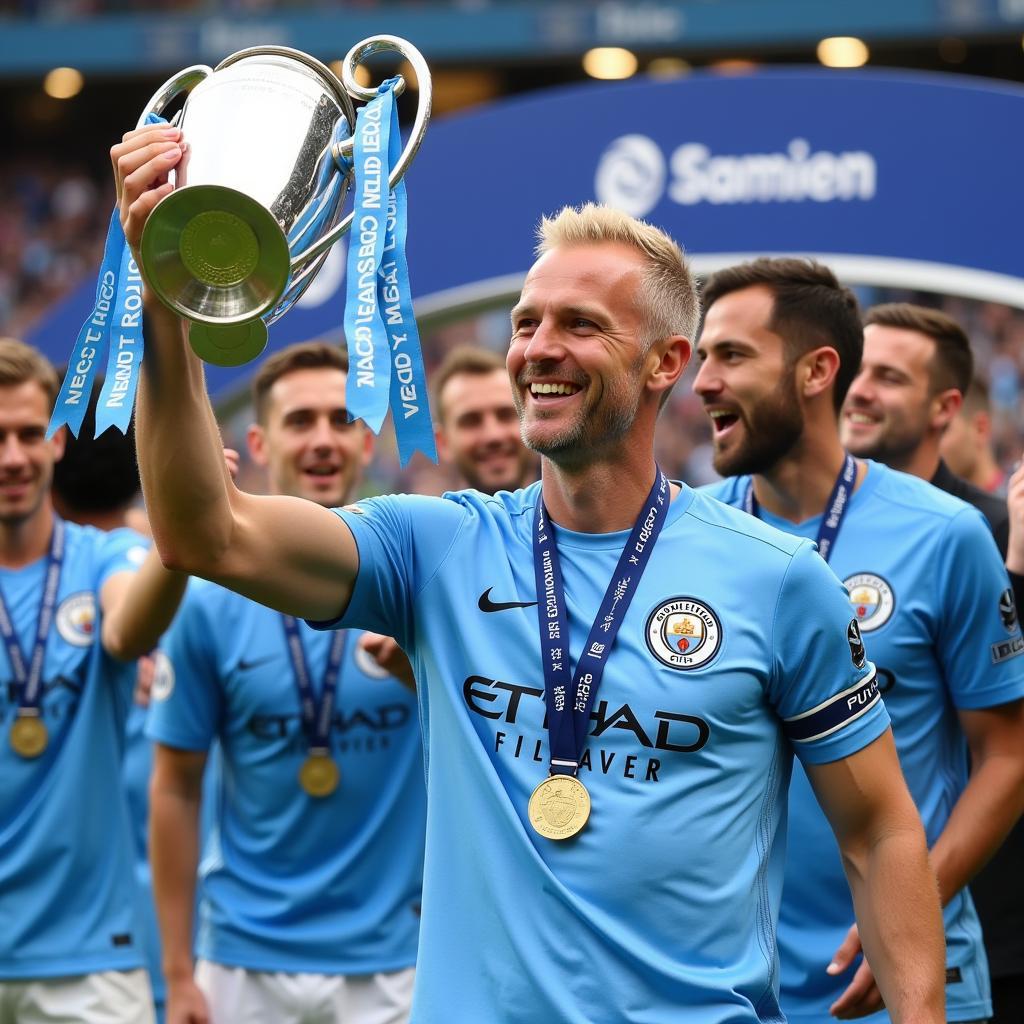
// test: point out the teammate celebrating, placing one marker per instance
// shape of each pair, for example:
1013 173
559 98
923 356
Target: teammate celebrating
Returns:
477 426
96 483
780 345
76 610
665 703
311 881
916 371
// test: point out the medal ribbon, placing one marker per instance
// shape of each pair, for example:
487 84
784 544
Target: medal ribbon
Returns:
114 329
29 681
385 360
835 509
569 712
316 715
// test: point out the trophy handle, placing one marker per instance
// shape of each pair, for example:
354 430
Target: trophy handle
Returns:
183 81
355 56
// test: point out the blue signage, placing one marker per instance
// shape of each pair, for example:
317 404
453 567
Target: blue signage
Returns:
894 179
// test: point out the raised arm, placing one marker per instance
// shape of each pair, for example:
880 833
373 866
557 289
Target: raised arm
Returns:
284 552
885 857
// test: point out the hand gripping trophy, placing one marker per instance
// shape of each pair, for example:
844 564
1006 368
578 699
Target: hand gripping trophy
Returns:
258 200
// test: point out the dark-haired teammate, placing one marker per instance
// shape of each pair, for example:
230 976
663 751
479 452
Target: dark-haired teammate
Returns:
672 697
78 608
780 345
916 372
310 880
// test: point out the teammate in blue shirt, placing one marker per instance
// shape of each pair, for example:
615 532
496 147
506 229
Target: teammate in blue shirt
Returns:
780 345
310 885
96 483
602 846
77 610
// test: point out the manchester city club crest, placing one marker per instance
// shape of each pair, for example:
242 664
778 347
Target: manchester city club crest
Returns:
76 619
872 599
683 633
163 676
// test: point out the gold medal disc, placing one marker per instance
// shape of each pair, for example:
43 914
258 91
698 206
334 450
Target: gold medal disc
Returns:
319 775
29 736
559 807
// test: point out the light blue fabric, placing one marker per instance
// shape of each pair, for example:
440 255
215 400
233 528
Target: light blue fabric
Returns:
663 909
67 875
291 882
138 763
931 630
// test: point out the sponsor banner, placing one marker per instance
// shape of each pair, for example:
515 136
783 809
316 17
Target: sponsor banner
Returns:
895 178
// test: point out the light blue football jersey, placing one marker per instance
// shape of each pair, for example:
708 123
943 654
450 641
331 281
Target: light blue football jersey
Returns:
291 882
664 908
138 763
68 902
932 598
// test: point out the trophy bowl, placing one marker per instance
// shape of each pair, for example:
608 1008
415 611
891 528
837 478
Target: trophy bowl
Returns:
259 194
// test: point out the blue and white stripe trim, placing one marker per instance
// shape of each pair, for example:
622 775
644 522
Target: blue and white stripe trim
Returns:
835 713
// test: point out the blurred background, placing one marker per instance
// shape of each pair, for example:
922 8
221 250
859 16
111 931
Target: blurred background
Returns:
75 74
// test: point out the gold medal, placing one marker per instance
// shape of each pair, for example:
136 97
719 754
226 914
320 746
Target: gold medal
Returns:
319 775
28 736
559 807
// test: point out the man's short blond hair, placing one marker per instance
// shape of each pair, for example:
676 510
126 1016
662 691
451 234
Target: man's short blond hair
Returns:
20 363
668 295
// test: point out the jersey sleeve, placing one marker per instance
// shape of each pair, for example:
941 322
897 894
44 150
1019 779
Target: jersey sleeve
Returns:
187 699
823 687
402 541
979 639
121 550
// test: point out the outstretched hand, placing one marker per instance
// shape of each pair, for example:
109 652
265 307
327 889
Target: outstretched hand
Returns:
385 652
861 996
1015 506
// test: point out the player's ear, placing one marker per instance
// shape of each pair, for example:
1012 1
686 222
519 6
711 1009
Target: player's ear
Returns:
667 360
944 407
256 439
58 443
443 452
816 371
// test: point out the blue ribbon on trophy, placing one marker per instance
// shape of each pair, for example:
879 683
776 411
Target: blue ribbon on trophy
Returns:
113 329
385 357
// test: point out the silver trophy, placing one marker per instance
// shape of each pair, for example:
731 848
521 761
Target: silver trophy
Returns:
259 194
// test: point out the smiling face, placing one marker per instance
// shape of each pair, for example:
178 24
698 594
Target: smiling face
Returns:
888 409
306 443
479 431
26 457
747 384
577 355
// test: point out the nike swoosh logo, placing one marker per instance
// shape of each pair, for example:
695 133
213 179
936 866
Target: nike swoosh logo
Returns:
244 666
487 605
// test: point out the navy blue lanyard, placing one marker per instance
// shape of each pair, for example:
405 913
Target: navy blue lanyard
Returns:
569 710
29 681
835 510
316 716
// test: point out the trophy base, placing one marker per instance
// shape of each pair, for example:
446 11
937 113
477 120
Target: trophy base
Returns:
228 344
215 255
